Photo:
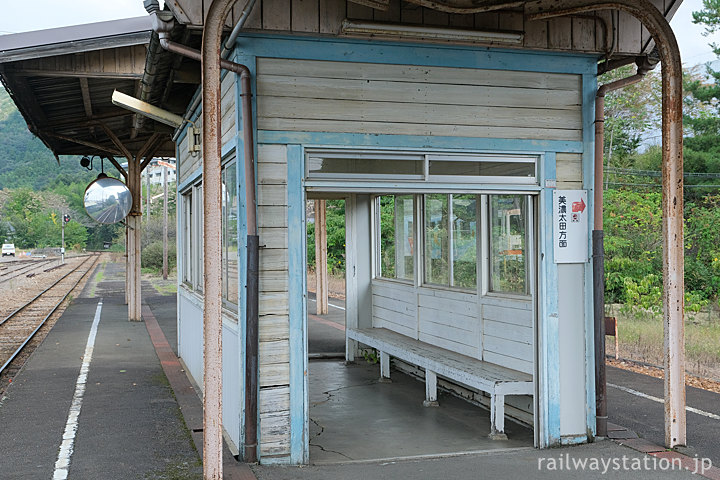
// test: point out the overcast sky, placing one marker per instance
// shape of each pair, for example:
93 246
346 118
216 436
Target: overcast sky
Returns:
27 15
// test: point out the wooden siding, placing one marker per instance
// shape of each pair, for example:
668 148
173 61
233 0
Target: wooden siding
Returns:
187 163
395 307
325 17
508 333
274 327
319 96
569 170
227 108
449 320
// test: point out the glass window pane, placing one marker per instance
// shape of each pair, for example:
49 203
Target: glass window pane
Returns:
436 239
507 242
363 166
404 238
232 235
464 247
387 236
482 169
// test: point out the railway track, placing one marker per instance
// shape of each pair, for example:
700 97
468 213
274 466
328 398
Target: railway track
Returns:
9 273
19 327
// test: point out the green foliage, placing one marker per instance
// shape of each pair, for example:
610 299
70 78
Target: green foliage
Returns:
335 222
152 256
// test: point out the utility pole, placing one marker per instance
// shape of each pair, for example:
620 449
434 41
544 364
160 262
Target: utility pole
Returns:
63 221
147 188
165 222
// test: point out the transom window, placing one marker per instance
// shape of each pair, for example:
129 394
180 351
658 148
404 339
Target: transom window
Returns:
379 166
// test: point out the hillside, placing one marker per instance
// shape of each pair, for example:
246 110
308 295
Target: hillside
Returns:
24 159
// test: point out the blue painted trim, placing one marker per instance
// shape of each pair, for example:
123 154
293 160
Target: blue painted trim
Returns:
374 51
242 265
549 347
242 286
506 145
299 441
228 148
419 187
194 177
589 92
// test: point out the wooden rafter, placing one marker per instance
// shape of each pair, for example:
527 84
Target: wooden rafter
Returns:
118 167
119 144
87 102
96 146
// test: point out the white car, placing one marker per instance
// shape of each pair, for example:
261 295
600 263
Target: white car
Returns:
8 249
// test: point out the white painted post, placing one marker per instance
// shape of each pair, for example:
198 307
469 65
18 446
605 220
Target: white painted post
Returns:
497 417
431 398
384 367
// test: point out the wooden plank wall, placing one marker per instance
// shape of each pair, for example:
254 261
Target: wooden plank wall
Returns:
274 322
325 17
395 307
227 108
320 96
508 333
449 320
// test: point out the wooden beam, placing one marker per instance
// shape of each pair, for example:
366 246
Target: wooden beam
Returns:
321 273
125 152
147 147
96 146
25 98
87 102
118 167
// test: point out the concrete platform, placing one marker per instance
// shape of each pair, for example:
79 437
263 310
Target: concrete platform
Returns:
355 417
129 425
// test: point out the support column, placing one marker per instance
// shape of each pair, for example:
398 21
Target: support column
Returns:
321 274
134 239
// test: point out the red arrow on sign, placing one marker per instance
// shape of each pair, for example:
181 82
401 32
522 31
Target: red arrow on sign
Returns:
578 206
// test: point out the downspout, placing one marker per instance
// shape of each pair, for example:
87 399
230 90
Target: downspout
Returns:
599 247
211 64
672 200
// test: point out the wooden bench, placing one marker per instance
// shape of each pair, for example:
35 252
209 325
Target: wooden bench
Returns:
493 379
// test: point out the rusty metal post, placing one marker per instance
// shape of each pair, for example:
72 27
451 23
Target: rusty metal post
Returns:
212 208
672 201
134 240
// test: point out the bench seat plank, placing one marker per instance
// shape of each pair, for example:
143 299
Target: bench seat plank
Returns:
494 379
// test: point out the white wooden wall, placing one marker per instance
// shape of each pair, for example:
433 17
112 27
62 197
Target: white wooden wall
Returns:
274 326
492 328
325 17
320 96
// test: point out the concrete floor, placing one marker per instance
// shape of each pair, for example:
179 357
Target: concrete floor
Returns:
354 417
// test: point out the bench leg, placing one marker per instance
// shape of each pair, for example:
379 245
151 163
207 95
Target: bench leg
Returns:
385 368
497 417
350 349
430 389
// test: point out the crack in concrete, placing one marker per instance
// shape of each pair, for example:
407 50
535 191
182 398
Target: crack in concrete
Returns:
330 451
330 393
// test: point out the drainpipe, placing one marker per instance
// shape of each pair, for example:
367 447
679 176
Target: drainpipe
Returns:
672 201
599 247
211 64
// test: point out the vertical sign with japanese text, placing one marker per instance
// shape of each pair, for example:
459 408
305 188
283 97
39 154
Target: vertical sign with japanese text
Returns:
570 226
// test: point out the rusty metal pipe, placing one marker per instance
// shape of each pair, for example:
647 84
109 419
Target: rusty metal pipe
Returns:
598 241
212 206
672 201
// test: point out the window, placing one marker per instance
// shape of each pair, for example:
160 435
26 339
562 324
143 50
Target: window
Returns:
192 245
436 239
397 236
508 232
188 241
451 240
464 218
454 229
230 234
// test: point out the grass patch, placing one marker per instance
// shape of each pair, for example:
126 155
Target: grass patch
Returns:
641 338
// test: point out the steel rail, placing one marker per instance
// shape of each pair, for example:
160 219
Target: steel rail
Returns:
43 292
37 329
23 269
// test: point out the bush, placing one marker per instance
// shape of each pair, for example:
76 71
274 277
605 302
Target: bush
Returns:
152 256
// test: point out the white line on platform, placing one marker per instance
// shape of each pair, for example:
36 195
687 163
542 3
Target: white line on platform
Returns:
334 306
660 400
62 465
